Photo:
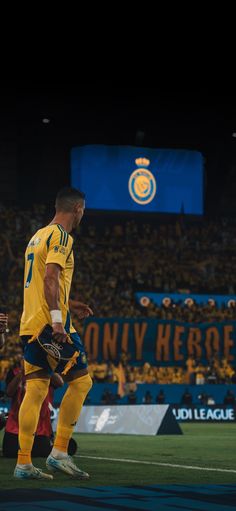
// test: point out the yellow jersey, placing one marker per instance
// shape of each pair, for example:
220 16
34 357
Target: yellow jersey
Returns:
51 244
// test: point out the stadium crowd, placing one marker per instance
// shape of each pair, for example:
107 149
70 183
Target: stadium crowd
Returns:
114 258
218 371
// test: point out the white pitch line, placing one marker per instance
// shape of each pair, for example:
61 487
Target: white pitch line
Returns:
190 467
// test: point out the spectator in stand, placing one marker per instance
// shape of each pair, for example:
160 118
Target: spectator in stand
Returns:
108 398
130 383
125 358
199 374
147 400
112 373
132 398
203 398
211 375
229 398
191 366
160 398
187 398
139 376
149 374
100 372
105 397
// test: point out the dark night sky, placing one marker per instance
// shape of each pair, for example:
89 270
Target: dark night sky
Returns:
108 114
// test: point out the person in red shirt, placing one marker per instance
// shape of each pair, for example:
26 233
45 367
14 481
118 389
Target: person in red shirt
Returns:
15 389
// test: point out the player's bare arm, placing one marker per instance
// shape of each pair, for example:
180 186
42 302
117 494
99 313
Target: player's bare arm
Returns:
52 296
82 310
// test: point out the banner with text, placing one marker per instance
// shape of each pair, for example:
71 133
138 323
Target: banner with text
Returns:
158 341
214 413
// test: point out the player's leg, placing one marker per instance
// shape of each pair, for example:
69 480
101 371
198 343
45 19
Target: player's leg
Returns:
79 384
78 387
37 383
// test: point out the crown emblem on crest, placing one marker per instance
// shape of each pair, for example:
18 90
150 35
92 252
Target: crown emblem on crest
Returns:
142 162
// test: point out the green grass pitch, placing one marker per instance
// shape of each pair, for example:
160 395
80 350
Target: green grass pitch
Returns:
202 445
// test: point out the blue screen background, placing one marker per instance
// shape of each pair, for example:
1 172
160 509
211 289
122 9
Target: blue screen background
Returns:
103 173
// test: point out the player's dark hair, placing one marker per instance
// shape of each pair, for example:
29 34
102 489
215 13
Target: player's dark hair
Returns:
67 197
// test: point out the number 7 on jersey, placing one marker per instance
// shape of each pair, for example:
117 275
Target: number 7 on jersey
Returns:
30 258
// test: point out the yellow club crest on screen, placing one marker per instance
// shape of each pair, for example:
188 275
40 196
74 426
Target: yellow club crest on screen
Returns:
142 183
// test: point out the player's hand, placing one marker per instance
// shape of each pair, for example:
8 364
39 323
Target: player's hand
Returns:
82 310
3 322
59 333
56 380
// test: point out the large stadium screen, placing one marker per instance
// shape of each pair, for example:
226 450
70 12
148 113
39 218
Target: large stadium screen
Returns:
139 179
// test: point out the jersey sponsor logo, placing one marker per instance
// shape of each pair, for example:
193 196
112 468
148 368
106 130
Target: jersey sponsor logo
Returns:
142 183
52 350
58 346
34 242
83 358
60 249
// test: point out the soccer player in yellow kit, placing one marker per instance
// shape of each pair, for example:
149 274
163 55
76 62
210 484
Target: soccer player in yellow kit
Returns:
49 266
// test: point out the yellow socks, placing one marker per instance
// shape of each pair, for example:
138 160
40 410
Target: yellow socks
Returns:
36 391
70 409
71 405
